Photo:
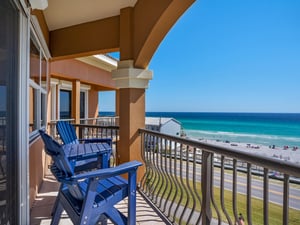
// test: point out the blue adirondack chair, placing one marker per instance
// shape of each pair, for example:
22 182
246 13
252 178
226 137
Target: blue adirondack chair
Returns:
68 135
90 197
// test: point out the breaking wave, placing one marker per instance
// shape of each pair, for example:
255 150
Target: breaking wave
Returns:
245 137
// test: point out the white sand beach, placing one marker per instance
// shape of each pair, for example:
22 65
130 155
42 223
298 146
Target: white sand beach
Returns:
290 154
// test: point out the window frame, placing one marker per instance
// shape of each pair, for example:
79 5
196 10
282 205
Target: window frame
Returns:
86 105
40 90
85 89
64 85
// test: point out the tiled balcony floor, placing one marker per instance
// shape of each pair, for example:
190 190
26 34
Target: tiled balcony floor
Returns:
40 213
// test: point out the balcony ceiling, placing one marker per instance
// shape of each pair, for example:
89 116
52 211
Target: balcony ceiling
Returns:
65 13
135 28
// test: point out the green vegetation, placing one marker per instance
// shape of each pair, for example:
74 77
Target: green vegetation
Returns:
275 211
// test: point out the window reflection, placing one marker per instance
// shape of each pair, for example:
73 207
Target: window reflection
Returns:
65 104
82 105
43 109
3 109
9 64
34 62
32 113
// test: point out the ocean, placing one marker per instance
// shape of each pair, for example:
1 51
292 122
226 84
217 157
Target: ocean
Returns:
279 129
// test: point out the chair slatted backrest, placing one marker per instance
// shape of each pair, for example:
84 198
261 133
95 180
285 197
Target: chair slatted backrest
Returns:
67 132
62 169
56 152
68 135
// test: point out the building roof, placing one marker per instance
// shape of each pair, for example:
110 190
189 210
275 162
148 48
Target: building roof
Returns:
159 120
101 61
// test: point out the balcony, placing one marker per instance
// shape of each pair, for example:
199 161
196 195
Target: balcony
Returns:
42 206
190 182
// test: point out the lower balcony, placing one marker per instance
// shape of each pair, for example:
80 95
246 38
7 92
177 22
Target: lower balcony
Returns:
191 182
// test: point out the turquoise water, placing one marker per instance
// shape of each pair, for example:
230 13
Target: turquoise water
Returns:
278 129
258 128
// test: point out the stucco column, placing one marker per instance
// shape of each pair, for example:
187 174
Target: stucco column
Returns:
117 99
132 83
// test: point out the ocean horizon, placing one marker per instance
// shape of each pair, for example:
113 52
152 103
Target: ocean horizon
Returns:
279 129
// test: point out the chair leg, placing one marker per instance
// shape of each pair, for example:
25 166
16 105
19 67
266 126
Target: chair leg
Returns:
56 201
102 220
57 213
116 216
132 199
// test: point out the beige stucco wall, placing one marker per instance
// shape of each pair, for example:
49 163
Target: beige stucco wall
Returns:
36 168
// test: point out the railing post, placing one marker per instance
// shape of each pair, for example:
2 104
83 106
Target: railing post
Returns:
206 186
286 193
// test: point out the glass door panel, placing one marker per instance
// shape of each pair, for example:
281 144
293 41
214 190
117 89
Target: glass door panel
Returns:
82 105
9 82
65 104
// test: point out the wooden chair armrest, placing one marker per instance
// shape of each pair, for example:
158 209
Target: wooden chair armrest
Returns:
107 172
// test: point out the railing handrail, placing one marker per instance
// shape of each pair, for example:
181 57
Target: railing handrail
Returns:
55 121
274 164
87 119
179 180
96 126
101 117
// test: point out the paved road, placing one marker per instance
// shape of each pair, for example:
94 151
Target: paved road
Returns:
275 189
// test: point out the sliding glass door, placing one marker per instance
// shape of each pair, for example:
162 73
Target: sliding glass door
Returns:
9 83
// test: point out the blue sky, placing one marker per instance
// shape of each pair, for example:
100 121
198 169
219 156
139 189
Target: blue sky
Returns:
228 56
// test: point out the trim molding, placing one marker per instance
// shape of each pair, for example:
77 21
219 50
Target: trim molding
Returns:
126 76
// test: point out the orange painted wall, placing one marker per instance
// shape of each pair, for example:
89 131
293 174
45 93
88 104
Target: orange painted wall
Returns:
132 117
36 168
93 103
91 38
71 69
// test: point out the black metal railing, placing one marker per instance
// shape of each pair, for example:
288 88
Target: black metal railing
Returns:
52 128
101 121
192 182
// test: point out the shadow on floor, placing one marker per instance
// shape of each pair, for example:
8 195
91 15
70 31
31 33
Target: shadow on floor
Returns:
42 205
